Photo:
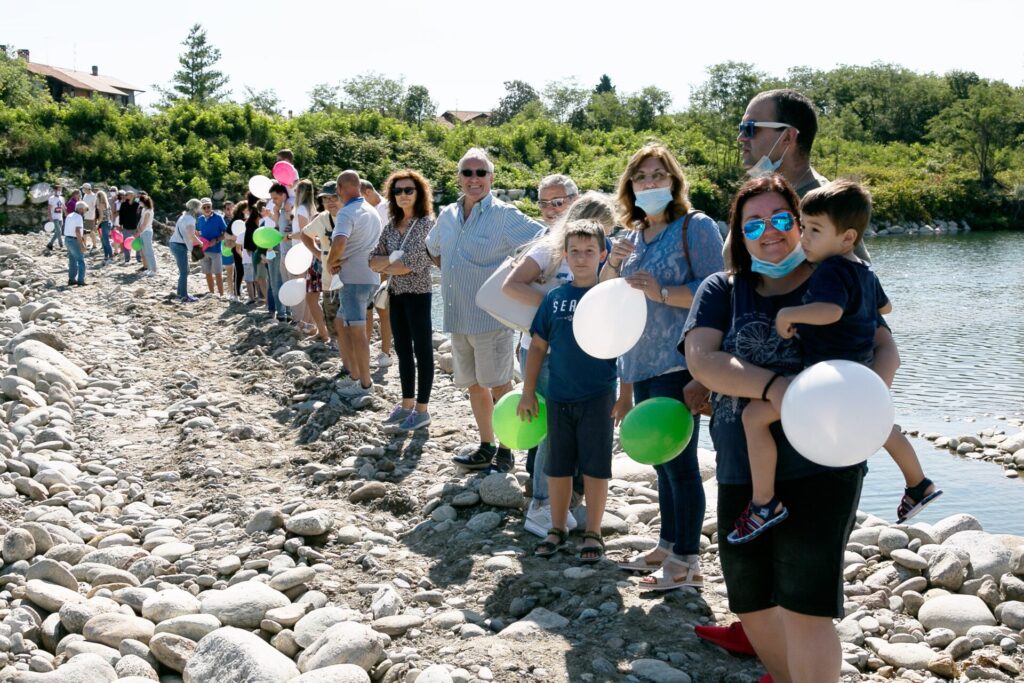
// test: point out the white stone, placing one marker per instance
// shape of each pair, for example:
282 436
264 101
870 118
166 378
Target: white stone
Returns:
955 612
346 643
231 655
242 605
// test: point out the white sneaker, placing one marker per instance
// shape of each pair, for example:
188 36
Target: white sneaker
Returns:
384 361
355 390
538 519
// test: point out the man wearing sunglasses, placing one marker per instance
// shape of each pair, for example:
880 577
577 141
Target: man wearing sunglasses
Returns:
470 240
776 136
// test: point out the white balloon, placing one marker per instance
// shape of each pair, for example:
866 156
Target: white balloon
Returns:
48 227
610 319
260 185
837 413
238 228
292 292
335 283
298 259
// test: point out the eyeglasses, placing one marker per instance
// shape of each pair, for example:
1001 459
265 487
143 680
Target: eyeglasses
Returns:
404 190
469 172
747 127
656 177
555 203
782 221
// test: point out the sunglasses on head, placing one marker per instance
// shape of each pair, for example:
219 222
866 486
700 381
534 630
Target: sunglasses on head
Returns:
555 203
404 190
782 221
747 127
469 172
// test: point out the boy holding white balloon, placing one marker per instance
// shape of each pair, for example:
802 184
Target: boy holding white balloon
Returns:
581 402
837 321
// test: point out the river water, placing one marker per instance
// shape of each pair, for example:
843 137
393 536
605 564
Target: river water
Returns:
958 318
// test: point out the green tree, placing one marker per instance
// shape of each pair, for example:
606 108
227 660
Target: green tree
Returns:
19 88
374 92
417 106
604 85
517 95
197 80
982 126
605 111
563 98
263 101
645 106
325 97
960 83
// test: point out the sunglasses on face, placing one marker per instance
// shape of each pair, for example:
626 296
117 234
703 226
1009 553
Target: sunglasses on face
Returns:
782 221
479 173
404 190
556 203
747 127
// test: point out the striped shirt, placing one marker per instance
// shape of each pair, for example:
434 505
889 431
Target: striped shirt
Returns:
471 249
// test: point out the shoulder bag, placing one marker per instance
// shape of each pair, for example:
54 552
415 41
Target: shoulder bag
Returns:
380 297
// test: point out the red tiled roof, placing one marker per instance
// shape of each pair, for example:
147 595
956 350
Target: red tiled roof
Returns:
83 80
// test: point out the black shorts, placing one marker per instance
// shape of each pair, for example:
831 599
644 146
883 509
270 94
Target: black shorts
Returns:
797 565
580 437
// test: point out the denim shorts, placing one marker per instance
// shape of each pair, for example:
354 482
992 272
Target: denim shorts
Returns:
580 437
354 300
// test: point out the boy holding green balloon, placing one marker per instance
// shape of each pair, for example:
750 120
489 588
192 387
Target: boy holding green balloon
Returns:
581 401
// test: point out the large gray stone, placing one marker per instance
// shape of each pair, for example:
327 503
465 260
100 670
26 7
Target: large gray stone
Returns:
191 626
906 655
113 627
244 604
18 544
340 673
958 613
172 651
74 615
168 604
657 671
231 655
501 490
953 524
310 523
52 572
83 668
265 520
537 621
988 555
945 570
311 626
1012 614
50 596
31 348
346 643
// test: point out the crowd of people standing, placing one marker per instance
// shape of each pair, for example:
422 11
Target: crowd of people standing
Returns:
711 341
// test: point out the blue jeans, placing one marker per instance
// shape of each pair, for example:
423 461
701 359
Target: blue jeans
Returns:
147 250
58 233
180 252
108 251
274 286
76 261
680 490
129 235
540 480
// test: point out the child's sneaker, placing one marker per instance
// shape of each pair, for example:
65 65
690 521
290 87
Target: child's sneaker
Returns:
755 520
398 414
915 499
414 421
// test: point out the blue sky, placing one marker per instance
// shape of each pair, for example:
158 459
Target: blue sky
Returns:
463 51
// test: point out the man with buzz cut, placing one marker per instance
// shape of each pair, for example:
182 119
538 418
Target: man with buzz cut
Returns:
470 239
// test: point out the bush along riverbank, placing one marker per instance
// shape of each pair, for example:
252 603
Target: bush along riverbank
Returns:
186 497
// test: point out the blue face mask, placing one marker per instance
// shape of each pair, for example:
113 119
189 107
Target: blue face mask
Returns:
780 269
653 202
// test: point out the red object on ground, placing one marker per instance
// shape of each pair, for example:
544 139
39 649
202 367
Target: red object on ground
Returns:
731 638
767 678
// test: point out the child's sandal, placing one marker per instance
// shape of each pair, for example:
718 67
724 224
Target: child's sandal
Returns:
915 499
589 554
547 548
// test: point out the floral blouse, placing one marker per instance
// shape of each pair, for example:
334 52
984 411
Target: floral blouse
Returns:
415 255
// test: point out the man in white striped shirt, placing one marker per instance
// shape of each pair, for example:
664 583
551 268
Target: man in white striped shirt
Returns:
470 239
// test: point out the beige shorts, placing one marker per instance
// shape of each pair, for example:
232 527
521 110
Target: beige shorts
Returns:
484 359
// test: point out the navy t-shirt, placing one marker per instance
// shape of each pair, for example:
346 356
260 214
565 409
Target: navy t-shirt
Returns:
747 321
211 228
575 374
855 288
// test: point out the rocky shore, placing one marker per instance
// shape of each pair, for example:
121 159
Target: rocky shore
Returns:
184 496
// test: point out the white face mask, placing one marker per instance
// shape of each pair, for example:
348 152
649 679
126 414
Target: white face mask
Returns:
765 166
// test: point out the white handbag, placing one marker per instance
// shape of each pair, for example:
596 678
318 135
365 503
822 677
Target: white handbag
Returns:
502 307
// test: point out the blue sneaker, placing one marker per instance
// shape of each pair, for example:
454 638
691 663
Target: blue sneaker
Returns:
415 421
398 415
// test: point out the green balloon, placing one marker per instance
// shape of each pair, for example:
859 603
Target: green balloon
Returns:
517 434
656 430
136 244
267 238
225 250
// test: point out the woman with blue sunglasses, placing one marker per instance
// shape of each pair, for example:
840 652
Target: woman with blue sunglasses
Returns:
786 586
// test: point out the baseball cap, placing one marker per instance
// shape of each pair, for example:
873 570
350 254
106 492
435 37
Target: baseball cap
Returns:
328 189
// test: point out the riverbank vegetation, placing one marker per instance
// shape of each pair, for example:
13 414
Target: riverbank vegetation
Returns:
930 146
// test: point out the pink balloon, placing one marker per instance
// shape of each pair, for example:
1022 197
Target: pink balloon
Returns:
118 237
285 173
205 242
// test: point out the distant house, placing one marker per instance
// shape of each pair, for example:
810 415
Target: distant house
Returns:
64 83
450 118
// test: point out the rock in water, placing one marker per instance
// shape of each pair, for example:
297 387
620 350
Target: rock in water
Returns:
231 655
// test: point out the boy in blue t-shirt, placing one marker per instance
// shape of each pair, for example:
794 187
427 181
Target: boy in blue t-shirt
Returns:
580 400
837 321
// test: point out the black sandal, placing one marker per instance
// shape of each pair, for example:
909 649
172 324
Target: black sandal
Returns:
546 548
589 554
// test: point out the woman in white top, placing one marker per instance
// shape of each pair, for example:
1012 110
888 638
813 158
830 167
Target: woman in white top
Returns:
182 239
305 208
146 235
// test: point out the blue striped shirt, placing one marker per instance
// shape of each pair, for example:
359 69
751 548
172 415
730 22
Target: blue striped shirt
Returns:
471 249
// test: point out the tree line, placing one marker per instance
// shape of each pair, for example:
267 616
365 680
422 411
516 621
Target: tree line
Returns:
929 146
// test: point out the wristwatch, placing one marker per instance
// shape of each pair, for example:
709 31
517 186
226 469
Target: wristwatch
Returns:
664 294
